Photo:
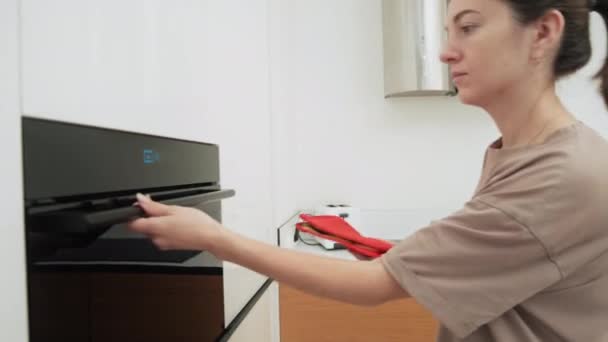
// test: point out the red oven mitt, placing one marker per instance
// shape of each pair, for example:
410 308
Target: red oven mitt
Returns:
351 246
335 228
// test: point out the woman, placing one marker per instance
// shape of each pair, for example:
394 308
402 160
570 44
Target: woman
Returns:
526 259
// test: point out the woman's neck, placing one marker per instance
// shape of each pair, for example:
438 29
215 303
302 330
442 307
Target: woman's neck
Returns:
529 116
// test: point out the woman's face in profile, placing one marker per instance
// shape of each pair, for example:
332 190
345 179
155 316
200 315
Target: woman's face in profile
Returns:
487 49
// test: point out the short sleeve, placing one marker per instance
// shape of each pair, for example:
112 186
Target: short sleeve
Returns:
471 267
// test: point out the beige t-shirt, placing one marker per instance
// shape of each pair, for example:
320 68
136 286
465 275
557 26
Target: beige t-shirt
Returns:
526 259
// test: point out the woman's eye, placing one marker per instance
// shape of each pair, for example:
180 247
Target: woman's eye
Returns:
468 28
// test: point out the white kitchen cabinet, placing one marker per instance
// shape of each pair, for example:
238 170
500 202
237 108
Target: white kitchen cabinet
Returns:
13 314
255 326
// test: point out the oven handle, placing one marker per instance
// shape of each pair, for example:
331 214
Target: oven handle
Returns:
92 224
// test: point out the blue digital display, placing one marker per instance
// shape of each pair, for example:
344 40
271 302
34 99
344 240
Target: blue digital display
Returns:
151 156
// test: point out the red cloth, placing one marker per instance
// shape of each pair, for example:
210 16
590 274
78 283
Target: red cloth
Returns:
337 229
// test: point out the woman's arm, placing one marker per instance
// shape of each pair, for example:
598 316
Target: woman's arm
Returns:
356 282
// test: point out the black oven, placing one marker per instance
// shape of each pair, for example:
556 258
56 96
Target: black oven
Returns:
89 278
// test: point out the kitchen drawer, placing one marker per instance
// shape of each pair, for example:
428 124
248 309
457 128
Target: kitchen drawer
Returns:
306 318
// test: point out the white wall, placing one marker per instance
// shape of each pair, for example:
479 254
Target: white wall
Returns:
405 161
283 155
352 145
13 314
283 144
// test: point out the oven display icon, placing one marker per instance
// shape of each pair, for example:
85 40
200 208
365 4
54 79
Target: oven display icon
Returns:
151 156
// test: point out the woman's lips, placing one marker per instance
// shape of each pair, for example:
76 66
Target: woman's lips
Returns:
458 76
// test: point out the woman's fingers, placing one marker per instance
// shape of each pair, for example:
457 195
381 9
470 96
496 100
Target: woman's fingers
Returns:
152 208
151 226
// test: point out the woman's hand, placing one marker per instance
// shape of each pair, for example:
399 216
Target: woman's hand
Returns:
175 227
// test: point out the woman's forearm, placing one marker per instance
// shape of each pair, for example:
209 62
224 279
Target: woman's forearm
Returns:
356 282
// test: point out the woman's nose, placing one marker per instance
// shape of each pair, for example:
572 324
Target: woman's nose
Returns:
449 55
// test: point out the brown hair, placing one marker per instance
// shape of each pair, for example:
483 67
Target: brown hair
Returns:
575 49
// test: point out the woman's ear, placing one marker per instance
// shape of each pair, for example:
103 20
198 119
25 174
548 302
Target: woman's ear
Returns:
549 30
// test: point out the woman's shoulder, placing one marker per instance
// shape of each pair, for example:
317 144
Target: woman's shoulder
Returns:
586 162
565 173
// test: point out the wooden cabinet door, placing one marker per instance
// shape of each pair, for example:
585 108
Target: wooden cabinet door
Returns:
306 318
134 307
58 307
151 307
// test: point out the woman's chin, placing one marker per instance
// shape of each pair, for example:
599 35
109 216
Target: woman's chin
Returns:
467 97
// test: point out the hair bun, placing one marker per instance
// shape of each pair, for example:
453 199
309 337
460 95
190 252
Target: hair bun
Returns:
597 5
